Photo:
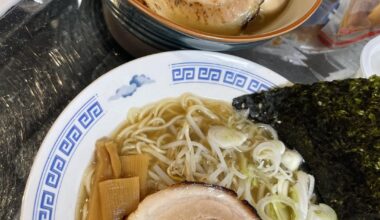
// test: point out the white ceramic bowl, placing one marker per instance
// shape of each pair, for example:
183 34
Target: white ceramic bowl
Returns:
54 181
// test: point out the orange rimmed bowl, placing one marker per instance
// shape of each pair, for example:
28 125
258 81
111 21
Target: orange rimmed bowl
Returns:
131 22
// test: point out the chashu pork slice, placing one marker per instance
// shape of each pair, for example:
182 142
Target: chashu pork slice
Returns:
193 201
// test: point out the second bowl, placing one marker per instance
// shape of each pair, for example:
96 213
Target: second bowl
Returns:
131 22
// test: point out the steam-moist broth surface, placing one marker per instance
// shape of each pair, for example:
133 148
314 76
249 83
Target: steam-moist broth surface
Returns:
196 139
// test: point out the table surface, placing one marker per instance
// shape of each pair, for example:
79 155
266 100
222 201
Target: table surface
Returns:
51 49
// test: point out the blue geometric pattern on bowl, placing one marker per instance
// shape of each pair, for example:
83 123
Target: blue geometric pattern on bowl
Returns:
60 155
128 90
196 72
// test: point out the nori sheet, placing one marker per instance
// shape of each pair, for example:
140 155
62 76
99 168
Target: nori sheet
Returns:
336 128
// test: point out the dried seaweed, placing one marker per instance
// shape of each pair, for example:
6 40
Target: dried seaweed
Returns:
336 127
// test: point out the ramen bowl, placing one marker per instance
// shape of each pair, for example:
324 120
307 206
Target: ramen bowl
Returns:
53 187
133 24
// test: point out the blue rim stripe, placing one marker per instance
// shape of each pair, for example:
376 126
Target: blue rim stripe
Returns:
53 150
68 162
224 66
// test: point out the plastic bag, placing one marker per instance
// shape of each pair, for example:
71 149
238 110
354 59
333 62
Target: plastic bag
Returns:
352 21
